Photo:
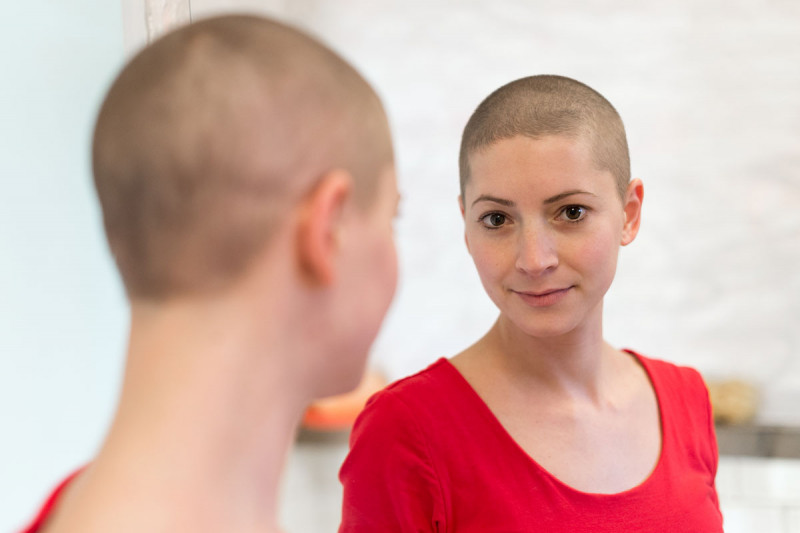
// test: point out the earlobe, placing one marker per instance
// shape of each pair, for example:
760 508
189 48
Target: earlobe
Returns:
319 236
633 211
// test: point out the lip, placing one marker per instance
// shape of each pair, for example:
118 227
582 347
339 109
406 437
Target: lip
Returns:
543 298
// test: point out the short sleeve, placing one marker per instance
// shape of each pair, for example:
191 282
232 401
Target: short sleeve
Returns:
389 482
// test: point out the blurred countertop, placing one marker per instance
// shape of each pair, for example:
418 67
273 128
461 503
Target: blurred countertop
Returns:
759 440
755 439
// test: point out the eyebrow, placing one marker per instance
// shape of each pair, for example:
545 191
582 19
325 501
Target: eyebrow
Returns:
566 194
495 199
551 200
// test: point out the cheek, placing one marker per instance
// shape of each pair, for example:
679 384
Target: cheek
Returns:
599 254
490 261
385 261
391 269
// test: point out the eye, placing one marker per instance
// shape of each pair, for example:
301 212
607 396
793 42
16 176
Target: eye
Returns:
573 213
493 220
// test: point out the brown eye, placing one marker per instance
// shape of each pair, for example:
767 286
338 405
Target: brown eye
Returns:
494 220
574 213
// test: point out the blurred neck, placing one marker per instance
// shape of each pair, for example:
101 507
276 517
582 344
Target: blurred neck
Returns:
208 411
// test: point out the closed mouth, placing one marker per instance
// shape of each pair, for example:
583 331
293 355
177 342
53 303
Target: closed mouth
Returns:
543 298
546 292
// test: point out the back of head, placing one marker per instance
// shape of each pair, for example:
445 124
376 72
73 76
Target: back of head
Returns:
209 135
543 105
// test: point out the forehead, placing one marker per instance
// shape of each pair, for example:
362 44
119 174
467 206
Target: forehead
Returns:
546 165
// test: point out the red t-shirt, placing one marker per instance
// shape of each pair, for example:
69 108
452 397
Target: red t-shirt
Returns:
49 505
427 454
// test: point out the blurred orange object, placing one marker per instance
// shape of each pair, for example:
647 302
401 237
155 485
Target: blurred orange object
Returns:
337 413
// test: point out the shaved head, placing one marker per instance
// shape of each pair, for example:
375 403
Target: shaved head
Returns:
537 106
210 135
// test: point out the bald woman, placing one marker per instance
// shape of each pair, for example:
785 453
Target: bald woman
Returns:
246 178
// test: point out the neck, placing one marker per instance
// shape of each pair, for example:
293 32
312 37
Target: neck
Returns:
205 420
572 364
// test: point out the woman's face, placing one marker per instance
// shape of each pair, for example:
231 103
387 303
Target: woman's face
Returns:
544 226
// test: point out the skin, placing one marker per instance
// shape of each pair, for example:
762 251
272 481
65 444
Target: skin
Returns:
544 226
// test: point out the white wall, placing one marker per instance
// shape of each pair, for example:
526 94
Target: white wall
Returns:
62 313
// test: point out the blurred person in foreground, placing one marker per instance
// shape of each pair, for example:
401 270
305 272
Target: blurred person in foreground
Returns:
246 177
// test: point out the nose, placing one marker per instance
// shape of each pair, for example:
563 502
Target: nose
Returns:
536 251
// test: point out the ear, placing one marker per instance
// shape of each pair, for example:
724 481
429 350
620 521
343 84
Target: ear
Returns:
633 211
319 236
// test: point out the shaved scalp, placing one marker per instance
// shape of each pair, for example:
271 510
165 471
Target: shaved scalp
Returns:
538 106
213 133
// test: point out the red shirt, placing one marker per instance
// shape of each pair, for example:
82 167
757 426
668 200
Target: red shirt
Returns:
427 454
49 505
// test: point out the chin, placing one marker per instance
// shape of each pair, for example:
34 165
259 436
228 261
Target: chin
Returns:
339 382
547 332
343 372
543 327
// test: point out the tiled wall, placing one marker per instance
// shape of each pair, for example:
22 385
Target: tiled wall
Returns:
760 495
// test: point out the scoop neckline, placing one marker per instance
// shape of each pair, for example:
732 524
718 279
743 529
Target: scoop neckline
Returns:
654 473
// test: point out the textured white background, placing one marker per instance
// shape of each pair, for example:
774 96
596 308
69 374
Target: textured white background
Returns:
709 91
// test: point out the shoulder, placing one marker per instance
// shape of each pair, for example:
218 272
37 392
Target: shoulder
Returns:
682 393
439 374
416 391
48 508
669 374
681 390
687 417
410 413
390 476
